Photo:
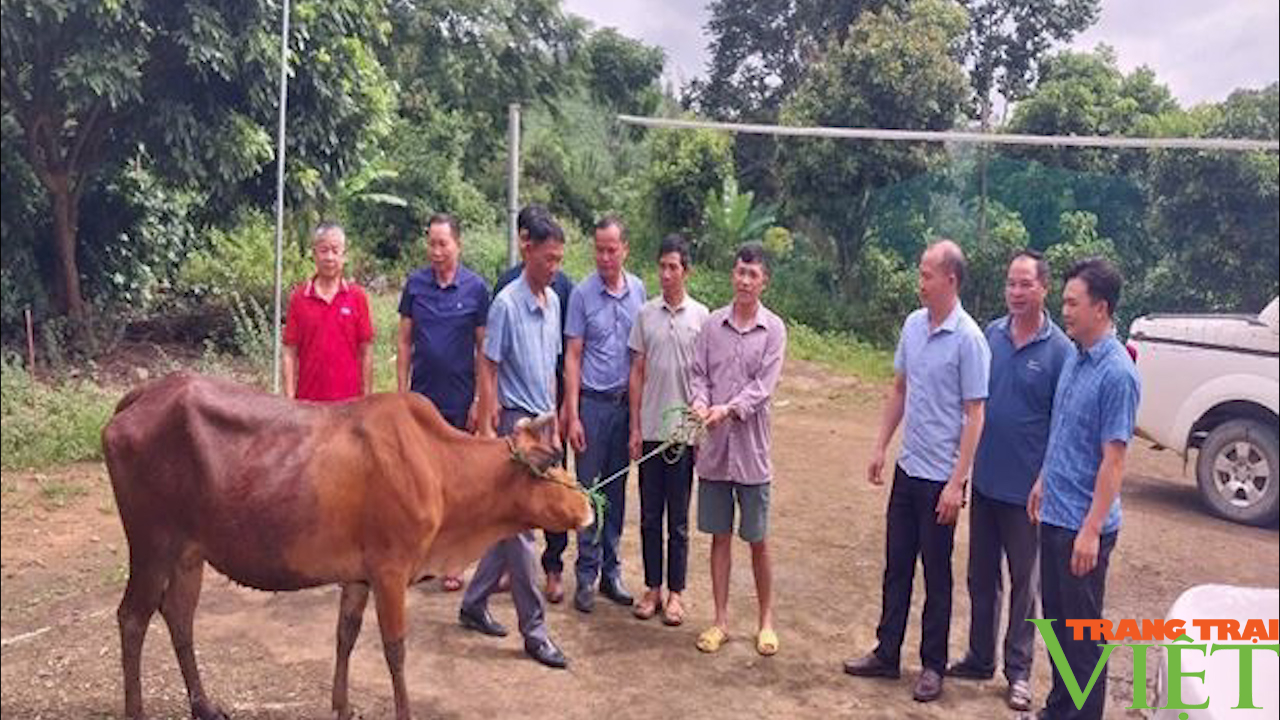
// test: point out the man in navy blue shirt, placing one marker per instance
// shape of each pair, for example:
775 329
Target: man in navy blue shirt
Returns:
1077 498
442 317
1027 354
552 556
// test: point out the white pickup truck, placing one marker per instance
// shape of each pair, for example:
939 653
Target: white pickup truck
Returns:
1212 383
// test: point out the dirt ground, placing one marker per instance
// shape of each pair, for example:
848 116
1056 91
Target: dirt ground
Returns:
268 656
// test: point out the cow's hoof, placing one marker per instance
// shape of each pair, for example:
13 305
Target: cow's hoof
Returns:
205 710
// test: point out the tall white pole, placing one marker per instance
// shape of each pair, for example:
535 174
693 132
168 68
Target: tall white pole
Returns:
284 100
513 182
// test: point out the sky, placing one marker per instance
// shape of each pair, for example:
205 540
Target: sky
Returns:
1200 49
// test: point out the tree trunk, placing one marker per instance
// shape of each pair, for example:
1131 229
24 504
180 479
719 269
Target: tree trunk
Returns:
66 217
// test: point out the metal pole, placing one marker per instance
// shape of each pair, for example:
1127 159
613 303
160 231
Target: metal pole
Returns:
284 100
513 182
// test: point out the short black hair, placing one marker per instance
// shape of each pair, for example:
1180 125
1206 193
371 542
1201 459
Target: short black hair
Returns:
612 220
527 213
1042 265
753 253
675 243
542 228
1101 279
444 218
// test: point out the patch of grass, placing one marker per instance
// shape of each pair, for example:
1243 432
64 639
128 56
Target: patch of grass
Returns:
59 492
385 314
116 575
49 424
840 352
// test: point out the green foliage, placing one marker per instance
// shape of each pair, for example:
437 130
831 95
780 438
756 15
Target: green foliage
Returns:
1008 38
684 166
194 84
839 351
1217 214
864 82
239 262
729 219
623 73
42 425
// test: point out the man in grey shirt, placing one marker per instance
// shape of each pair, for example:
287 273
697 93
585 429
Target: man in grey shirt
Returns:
662 347
939 388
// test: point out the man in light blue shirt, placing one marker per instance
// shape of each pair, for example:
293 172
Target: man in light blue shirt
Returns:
1077 498
597 369
940 385
518 380
1027 354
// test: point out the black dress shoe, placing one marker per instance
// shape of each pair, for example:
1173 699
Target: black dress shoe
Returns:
481 621
928 686
546 653
870 665
584 600
616 591
967 669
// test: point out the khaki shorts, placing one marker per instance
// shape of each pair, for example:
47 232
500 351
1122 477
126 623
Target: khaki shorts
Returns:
717 500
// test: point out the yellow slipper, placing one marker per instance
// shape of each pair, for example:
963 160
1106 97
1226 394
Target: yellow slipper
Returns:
767 642
711 639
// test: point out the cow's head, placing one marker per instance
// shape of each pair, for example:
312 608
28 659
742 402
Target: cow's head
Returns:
556 501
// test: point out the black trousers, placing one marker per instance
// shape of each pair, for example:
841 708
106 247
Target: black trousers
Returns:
664 490
1000 530
913 531
1067 597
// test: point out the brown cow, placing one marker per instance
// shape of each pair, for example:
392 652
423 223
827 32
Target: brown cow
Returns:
279 495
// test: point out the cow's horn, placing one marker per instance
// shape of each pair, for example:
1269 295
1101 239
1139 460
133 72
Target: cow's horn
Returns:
540 422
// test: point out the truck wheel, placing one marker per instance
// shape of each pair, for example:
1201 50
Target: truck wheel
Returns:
1237 472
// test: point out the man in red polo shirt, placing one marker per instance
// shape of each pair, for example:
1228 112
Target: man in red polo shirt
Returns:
328 337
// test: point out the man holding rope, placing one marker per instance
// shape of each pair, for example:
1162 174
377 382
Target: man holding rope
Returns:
736 366
662 346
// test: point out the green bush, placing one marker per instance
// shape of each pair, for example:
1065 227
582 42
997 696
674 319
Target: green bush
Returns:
240 261
42 425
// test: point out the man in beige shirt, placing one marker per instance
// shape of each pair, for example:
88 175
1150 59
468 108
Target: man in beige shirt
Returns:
662 346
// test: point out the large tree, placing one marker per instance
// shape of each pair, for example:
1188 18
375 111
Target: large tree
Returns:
896 69
194 85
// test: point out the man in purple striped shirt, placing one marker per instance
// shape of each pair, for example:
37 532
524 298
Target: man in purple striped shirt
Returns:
736 365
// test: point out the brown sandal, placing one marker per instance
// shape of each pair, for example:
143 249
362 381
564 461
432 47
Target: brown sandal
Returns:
673 616
647 608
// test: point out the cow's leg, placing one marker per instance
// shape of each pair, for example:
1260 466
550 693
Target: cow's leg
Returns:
179 610
350 616
389 591
147 579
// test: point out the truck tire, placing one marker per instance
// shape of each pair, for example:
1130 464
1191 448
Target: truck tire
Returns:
1237 472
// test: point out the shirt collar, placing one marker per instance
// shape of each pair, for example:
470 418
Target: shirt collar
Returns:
604 288
759 322
684 302
457 276
530 302
1100 349
951 322
1046 327
310 289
